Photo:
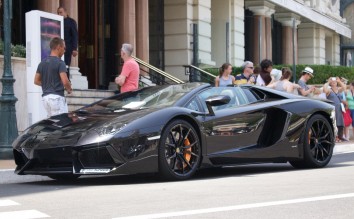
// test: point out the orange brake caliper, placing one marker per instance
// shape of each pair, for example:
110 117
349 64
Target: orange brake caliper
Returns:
309 137
187 153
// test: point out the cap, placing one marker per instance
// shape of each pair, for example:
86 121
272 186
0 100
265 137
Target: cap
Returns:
309 71
276 74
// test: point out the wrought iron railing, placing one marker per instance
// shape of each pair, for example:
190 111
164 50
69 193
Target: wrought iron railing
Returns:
199 75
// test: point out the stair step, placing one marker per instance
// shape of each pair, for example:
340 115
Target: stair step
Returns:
92 93
80 98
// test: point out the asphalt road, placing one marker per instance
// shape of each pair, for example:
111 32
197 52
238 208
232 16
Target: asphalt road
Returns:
253 191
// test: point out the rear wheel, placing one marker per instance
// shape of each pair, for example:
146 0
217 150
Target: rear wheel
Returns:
318 144
179 151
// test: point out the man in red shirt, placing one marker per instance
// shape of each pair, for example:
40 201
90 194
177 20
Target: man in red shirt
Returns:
129 77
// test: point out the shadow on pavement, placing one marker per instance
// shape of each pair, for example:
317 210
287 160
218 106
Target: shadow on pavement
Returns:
45 184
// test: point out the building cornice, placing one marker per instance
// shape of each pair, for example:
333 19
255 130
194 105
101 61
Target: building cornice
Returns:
314 16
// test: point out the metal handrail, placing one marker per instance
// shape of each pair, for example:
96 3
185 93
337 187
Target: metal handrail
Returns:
199 75
201 70
159 71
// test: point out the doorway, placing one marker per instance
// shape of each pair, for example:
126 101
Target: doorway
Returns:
98 30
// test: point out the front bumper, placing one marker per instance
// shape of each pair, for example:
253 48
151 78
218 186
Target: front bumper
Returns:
73 160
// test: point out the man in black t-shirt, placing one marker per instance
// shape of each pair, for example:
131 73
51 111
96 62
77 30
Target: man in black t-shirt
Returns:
51 76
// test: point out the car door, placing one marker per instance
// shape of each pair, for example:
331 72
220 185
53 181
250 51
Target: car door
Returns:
235 126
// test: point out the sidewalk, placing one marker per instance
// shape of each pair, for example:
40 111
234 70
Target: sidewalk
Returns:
342 147
7 164
347 146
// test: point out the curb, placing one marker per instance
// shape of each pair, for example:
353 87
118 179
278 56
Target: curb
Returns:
343 148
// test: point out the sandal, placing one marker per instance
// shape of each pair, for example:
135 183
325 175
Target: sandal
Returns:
344 139
338 140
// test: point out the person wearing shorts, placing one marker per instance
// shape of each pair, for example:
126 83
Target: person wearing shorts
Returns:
51 76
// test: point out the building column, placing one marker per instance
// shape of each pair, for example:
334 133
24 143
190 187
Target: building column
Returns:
288 43
336 41
142 31
268 35
237 34
220 17
127 22
178 36
262 32
48 6
311 44
202 17
179 19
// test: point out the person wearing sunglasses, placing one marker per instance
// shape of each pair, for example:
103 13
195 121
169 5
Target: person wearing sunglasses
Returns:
246 77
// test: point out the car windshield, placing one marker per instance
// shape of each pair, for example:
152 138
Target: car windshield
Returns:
149 97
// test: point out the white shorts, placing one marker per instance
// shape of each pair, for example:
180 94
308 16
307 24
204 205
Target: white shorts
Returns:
54 105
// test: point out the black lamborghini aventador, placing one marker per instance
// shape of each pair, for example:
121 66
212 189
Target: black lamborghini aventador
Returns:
174 130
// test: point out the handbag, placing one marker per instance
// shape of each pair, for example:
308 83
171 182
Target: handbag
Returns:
347 119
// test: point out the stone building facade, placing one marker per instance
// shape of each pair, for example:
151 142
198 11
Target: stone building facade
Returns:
163 32
347 45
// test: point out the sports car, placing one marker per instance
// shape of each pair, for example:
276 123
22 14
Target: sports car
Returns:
174 130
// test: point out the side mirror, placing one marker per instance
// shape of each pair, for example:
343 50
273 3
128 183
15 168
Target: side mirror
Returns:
217 100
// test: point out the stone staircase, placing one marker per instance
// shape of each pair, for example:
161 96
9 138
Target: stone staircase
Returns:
80 98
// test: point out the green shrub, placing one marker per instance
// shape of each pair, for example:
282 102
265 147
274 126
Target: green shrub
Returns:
321 72
16 50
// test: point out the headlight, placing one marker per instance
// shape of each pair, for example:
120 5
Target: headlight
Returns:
110 128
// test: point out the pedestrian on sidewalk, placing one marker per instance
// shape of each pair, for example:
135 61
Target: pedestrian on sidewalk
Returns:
264 78
246 77
70 37
333 89
350 101
129 77
305 90
51 76
225 78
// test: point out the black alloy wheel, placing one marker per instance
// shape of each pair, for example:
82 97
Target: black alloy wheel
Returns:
318 143
179 151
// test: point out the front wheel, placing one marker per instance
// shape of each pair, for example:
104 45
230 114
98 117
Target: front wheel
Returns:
318 143
179 151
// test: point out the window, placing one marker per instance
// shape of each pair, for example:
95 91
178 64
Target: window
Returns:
239 96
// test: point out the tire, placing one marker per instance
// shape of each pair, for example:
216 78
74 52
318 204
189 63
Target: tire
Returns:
179 151
318 143
64 177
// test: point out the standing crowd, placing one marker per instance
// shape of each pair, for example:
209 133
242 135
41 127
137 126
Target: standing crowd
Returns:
335 88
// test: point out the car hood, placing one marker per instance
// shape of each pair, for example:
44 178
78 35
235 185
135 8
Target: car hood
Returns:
69 128
82 121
